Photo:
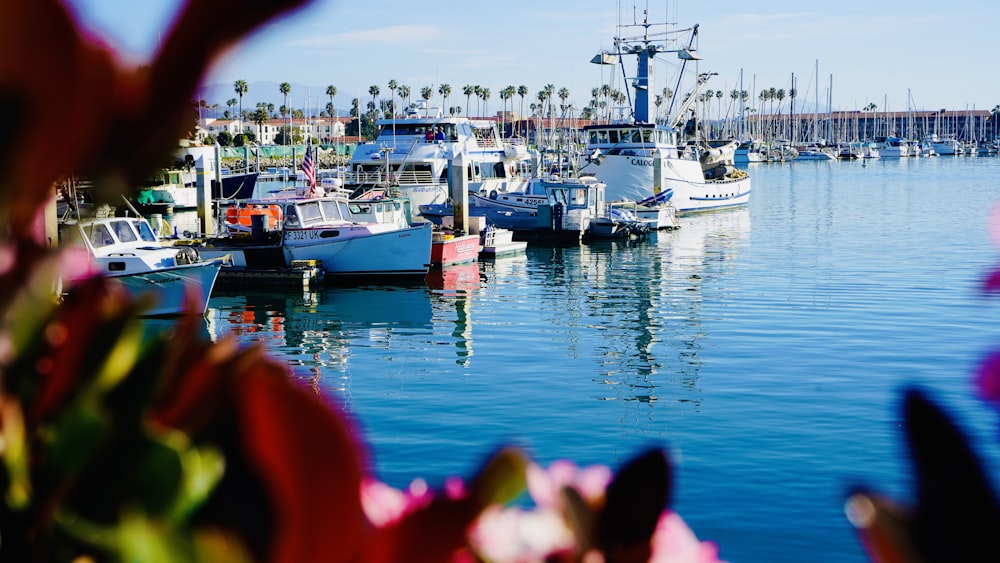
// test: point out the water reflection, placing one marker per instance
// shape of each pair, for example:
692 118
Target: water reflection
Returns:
454 287
317 333
626 316
637 308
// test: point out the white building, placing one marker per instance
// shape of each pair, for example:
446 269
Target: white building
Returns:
321 128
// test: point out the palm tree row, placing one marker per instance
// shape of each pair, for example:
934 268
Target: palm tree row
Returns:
605 102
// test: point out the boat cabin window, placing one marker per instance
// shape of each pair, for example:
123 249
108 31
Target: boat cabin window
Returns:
647 135
292 217
100 235
578 197
360 208
145 231
309 213
335 210
613 136
123 231
557 196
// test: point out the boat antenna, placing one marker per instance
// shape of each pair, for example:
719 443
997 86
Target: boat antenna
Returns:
129 204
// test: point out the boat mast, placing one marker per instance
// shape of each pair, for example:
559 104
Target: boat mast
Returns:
816 107
739 97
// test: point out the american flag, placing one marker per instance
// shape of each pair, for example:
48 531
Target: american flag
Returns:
309 170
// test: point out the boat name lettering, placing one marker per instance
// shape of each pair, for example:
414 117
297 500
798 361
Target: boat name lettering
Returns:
302 235
642 162
162 279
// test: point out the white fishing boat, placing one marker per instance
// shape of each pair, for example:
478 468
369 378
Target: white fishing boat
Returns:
943 146
644 161
323 229
892 147
528 195
814 153
175 280
412 154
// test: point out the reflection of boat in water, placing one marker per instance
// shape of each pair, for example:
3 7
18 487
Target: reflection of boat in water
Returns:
454 277
647 302
312 323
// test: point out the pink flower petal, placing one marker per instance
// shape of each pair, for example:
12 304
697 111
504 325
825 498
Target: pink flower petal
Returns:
674 542
988 378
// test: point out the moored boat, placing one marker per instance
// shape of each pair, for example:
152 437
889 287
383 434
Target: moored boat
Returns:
323 229
174 280
413 153
643 160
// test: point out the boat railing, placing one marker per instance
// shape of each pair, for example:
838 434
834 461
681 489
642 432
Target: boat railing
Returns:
414 177
485 138
404 178
626 206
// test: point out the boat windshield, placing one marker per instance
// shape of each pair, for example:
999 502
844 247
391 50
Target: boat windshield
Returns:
309 212
145 231
335 210
99 235
578 197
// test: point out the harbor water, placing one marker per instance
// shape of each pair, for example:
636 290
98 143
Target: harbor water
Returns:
765 348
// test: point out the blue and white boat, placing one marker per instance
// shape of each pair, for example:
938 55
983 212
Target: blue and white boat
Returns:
173 280
571 210
646 161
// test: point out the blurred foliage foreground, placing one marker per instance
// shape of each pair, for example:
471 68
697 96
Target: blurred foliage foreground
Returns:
117 446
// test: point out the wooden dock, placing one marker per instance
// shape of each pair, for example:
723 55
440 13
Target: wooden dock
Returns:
304 275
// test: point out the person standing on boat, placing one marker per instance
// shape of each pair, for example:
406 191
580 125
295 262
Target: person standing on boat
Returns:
429 136
439 135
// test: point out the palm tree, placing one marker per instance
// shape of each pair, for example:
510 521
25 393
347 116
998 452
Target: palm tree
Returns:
241 87
468 90
331 91
393 86
374 91
285 88
522 91
478 91
718 98
445 91
485 94
505 95
550 91
260 117
426 92
780 96
542 95
231 103
404 95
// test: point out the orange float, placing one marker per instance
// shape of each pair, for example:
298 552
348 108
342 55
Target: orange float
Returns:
240 218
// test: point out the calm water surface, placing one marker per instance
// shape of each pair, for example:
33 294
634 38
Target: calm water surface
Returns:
766 348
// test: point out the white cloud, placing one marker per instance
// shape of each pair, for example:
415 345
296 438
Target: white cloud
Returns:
396 34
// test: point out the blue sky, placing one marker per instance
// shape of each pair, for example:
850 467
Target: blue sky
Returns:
934 54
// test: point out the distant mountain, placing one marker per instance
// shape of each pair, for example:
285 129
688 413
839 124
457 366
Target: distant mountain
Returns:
267 92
